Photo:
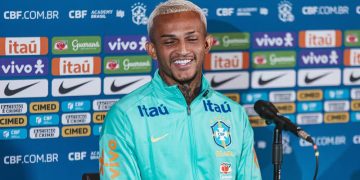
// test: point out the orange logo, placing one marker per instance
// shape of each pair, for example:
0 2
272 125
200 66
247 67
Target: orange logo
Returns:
24 46
320 38
76 66
111 164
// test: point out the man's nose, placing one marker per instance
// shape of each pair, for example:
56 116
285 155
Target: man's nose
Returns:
183 48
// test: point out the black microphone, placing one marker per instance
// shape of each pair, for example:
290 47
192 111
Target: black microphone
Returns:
268 111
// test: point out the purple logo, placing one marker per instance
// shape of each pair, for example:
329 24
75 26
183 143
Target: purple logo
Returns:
324 57
263 40
125 44
23 67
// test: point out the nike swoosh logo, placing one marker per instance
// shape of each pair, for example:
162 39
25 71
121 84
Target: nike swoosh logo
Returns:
264 82
310 80
63 90
215 84
115 88
154 140
10 92
353 78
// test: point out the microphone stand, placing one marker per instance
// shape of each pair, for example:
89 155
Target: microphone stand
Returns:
277 150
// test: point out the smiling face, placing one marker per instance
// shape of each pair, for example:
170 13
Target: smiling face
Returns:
179 43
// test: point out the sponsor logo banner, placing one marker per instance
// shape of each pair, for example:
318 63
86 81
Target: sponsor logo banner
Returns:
13 108
127 64
44 107
75 118
231 41
9 134
228 80
320 58
10 46
23 88
125 44
351 76
325 10
233 96
31 159
313 106
97 130
76 131
352 38
103 104
342 117
320 38
124 84
256 121
13 121
31 15
44 120
285 108
274 40
355 105
355 116
76 87
336 94
273 79
355 93
282 96
76 45
336 106
274 59
352 57
71 106
326 141
252 97
319 77
249 108
309 118
310 95
98 117
226 61
44 132
76 66
12 67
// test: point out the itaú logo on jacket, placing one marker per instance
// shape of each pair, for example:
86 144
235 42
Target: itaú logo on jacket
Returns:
213 107
152 111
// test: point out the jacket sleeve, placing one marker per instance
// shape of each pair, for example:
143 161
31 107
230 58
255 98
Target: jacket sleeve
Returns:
117 159
249 167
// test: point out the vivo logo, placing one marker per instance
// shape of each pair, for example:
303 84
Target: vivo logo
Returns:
213 107
122 44
320 57
153 111
274 39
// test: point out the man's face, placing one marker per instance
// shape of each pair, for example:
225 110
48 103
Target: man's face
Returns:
179 43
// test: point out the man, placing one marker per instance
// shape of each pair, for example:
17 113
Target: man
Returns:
176 126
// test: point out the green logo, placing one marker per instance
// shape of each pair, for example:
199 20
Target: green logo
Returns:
127 64
352 38
231 41
76 45
274 59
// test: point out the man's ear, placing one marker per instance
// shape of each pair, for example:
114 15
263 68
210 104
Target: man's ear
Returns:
150 49
208 43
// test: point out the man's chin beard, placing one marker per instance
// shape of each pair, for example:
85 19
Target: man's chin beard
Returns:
185 81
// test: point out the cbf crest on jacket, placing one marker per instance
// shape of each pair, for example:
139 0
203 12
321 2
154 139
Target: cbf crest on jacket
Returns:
153 134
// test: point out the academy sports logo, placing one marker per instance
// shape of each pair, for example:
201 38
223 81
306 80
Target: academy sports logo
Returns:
124 84
274 59
221 134
23 46
352 38
76 45
127 64
320 38
273 79
274 40
228 80
76 87
76 66
351 76
23 88
321 58
125 44
226 61
319 77
23 67
352 57
231 41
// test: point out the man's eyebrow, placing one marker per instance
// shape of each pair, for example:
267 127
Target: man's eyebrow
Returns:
191 32
167 36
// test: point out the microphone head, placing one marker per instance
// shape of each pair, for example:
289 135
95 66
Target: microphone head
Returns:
266 110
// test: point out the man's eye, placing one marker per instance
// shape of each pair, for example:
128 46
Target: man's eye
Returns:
169 42
193 39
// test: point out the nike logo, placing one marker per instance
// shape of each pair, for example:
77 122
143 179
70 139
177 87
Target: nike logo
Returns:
215 84
10 92
63 90
154 140
115 88
264 82
353 78
310 80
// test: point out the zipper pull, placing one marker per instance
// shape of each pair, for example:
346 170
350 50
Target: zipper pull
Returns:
188 110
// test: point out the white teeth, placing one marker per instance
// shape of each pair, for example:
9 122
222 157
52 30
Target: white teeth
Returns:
182 62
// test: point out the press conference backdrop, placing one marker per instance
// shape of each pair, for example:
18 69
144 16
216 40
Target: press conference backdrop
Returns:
64 63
